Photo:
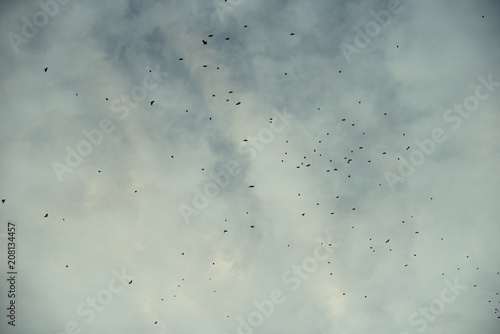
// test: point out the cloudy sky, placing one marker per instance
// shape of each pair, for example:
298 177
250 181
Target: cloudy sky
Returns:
306 166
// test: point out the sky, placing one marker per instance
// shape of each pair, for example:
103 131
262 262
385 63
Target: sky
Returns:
250 166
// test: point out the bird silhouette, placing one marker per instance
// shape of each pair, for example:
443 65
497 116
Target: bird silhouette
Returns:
130 282
45 69
152 102
252 226
387 240
238 103
204 42
46 215
3 200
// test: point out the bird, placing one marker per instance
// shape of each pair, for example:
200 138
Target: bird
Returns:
3 200
387 240
181 59
225 231
45 69
98 171
250 186
227 38
292 34
152 102
66 266
204 42
130 282
238 103
252 226
230 92
210 35
245 26
156 322
106 99
46 215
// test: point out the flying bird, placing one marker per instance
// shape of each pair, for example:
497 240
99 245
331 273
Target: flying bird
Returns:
250 186
238 103
204 42
252 226
130 282
152 102
292 34
210 35
46 215
387 240
45 69
3 200
225 231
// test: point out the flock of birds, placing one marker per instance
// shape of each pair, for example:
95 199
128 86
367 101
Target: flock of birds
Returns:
350 158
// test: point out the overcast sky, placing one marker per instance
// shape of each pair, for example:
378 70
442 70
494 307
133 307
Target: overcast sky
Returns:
306 166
